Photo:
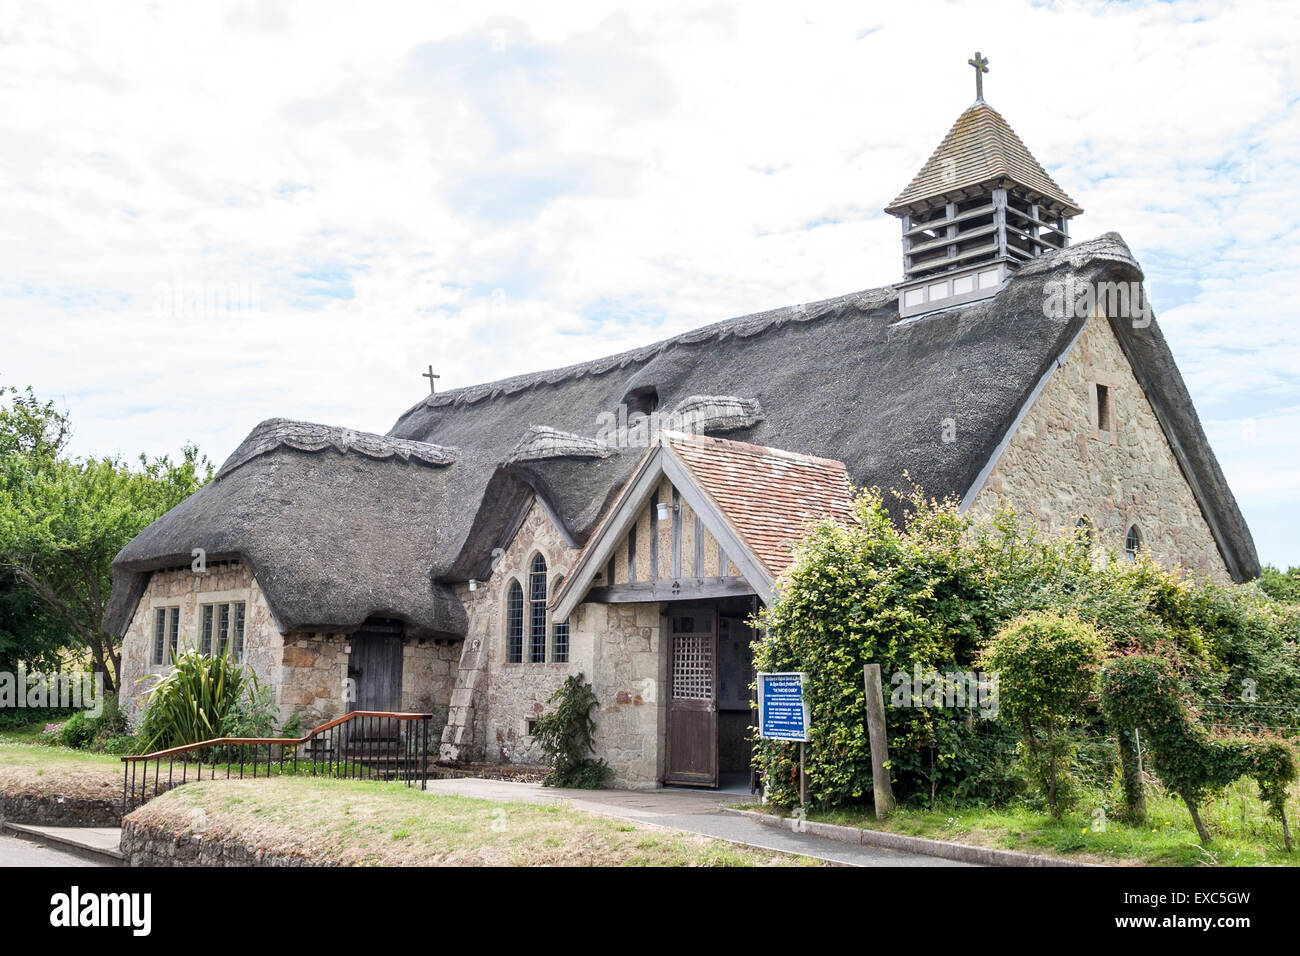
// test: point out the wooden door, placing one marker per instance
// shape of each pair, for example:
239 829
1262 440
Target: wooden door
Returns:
376 666
693 699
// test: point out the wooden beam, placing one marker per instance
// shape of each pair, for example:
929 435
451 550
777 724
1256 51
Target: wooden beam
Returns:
916 230
951 241
654 535
691 589
677 534
991 247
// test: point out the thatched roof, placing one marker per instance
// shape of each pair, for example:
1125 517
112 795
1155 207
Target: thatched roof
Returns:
334 523
844 379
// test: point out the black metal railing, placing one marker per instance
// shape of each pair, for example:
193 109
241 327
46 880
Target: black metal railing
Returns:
362 745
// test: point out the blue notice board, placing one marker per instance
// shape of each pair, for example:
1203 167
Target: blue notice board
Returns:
782 706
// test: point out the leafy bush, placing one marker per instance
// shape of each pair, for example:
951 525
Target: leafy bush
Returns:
1144 692
201 698
931 588
1046 665
870 593
565 733
77 732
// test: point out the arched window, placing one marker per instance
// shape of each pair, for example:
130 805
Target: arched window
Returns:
1083 528
515 624
1132 543
537 611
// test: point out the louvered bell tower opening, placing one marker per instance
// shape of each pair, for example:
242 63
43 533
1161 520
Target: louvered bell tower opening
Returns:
979 207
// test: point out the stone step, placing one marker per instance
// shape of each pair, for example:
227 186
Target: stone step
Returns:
96 843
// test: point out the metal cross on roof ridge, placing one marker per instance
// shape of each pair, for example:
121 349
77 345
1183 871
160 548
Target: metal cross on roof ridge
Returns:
981 64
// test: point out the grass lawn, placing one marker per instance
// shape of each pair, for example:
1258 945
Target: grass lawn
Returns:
1243 834
47 770
358 823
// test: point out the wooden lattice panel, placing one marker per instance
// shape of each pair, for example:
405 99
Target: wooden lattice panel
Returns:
693 667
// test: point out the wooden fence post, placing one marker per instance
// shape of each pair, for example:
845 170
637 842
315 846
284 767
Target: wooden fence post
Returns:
881 788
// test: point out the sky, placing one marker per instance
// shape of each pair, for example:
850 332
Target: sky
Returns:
212 214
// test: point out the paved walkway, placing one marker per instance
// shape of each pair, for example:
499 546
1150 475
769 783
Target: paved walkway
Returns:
695 811
18 852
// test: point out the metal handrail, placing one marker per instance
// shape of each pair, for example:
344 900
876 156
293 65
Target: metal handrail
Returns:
411 753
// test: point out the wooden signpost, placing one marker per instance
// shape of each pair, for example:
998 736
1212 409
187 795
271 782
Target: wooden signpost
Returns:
881 788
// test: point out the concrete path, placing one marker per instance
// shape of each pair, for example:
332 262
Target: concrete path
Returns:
98 844
695 811
19 852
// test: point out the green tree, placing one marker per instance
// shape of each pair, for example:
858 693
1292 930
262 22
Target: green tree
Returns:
1280 585
1046 664
29 633
63 521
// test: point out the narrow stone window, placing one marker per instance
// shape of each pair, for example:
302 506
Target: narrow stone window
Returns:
515 624
560 642
1103 408
1132 543
537 611
1083 528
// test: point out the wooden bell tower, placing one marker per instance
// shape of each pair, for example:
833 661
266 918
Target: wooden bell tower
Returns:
979 207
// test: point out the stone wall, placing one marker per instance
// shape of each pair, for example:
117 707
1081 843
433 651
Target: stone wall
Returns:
223 582
618 648
428 676
314 678
629 677
58 810
1060 466
494 701
159 846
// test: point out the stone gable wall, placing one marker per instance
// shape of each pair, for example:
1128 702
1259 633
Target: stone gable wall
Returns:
1059 465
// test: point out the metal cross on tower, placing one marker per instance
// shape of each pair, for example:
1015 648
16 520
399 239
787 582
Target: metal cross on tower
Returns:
981 64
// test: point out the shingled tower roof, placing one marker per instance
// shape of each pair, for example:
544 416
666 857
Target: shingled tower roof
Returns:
981 148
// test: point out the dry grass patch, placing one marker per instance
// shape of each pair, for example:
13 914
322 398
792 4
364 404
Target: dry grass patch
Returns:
47 771
357 823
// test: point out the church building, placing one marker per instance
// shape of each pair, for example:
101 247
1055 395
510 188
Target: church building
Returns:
622 518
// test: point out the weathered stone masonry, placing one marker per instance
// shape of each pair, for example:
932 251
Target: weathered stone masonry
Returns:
1060 466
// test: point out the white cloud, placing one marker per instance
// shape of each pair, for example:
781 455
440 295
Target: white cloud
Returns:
494 188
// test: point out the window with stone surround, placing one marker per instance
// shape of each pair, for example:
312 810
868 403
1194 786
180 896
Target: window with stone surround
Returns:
166 633
1132 543
1103 410
222 627
514 624
560 642
537 611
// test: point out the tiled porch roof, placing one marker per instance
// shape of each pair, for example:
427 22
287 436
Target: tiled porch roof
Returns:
767 495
